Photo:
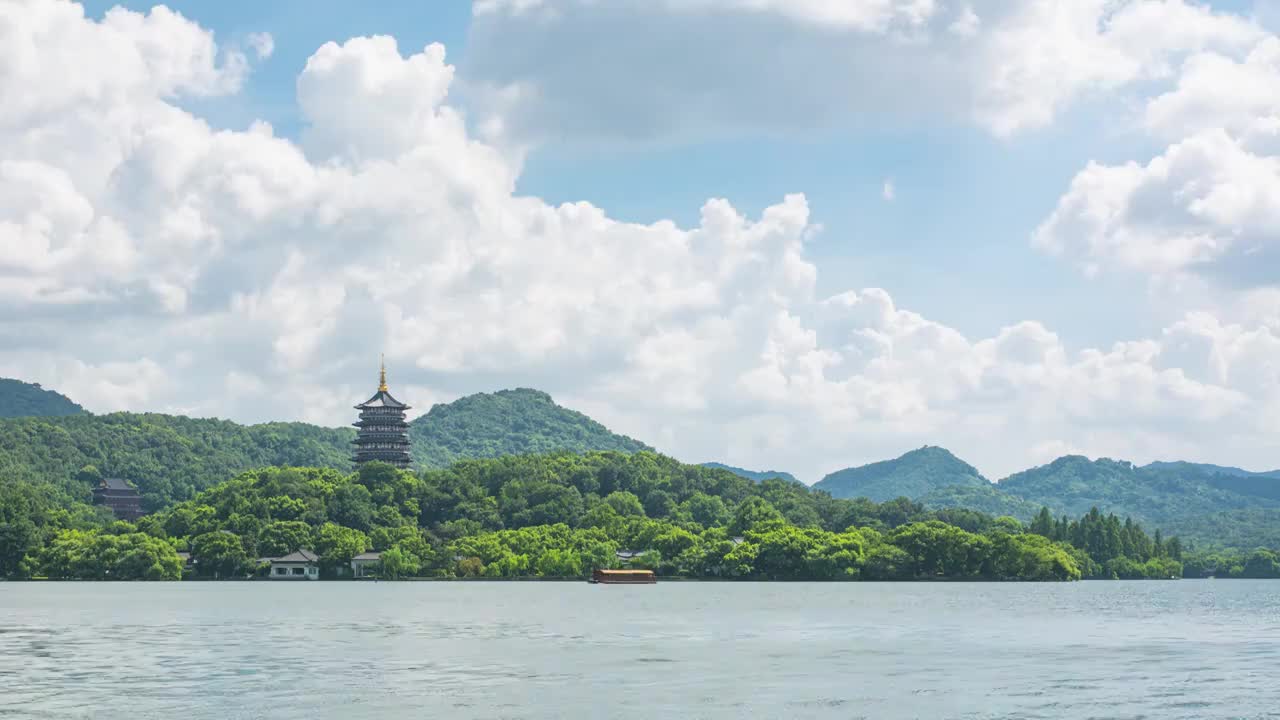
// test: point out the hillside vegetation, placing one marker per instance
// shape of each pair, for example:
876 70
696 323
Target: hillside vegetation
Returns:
913 475
1156 495
171 458
508 422
21 399
564 514
168 458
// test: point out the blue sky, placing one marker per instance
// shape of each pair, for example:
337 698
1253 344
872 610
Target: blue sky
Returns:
1076 255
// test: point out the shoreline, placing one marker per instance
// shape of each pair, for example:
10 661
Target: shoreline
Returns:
661 580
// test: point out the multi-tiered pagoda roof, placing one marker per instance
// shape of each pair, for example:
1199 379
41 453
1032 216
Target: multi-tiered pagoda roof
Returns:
382 432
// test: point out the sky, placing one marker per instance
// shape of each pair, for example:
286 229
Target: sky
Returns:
785 234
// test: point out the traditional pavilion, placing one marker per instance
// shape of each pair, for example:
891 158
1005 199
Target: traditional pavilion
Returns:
383 434
120 496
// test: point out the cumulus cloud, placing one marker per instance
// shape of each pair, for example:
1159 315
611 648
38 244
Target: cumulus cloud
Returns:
148 261
1209 205
630 70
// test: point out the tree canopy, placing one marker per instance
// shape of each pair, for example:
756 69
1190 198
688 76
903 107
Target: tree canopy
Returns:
508 422
913 475
563 514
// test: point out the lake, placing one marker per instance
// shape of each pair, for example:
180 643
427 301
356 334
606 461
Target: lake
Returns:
329 650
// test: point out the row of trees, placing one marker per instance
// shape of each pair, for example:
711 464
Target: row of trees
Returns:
563 514
1259 563
1113 548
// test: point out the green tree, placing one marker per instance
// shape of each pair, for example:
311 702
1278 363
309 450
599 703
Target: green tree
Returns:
352 506
282 537
336 545
625 504
397 563
220 554
707 510
755 514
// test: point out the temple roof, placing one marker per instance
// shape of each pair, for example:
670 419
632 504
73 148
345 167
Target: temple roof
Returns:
114 484
382 399
301 555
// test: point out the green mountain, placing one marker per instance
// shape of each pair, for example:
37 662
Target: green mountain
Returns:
755 475
913 475
985 499
508 422
171 458
20 399
168 458
1261 484
1156 495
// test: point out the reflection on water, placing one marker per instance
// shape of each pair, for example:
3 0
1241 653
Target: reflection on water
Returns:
1187 649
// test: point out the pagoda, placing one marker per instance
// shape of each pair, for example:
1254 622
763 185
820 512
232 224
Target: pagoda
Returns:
382 433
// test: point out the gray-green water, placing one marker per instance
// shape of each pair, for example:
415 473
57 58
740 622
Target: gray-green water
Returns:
1188 649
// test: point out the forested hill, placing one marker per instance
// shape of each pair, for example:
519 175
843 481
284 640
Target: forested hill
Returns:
169 458
1208 504
561 515
1265 484
757 475
508 422
913 475
21 399
1157 495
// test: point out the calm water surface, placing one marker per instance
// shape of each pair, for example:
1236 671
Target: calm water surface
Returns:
1188 649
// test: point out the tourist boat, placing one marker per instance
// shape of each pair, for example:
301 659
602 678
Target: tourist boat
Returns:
623 577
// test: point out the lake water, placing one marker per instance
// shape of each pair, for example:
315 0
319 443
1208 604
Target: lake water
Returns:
227 651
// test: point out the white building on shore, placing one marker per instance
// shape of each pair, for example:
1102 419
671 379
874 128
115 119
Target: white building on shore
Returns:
298 565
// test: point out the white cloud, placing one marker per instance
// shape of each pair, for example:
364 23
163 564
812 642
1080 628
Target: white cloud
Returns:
262 43
151 262
585 71
887 191
1219 92
1209 205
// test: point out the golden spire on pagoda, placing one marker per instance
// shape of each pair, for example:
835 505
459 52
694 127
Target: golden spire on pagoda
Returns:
382 376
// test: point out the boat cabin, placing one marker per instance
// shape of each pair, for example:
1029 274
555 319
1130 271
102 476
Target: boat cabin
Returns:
623 577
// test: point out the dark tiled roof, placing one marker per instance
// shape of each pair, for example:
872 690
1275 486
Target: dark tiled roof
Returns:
382 399
115 484
297 556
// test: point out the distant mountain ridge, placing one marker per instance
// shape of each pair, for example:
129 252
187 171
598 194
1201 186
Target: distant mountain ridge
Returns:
756 475
23 399
912 475
1212 469
1213 504
1151 494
